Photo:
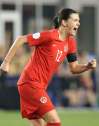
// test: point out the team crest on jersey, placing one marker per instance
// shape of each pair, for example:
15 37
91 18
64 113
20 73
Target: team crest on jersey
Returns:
36 35
43 99
65 48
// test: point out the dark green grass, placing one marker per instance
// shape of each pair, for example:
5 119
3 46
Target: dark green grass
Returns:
69 117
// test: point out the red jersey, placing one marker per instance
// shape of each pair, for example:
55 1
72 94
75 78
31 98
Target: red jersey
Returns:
49 53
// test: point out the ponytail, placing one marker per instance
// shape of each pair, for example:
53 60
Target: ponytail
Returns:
56 22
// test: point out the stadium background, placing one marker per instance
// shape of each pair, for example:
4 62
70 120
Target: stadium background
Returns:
76 97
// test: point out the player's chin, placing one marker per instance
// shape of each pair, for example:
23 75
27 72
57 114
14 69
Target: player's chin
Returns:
73 33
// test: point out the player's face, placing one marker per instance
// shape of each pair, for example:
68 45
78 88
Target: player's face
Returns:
73 24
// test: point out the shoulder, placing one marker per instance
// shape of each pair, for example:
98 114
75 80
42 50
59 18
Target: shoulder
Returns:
72 39
52 33
72 43
46 33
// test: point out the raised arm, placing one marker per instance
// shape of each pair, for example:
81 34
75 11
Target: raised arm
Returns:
8 58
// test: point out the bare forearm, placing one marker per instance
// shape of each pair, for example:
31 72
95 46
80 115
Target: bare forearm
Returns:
17 43
77 68
80 68
11 52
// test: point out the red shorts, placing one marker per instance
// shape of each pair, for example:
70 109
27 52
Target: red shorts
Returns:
34 103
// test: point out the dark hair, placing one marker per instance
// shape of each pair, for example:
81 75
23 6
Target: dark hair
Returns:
63 14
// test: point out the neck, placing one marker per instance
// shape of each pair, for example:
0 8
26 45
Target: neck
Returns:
62 33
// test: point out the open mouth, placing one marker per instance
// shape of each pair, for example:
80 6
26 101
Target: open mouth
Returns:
75 29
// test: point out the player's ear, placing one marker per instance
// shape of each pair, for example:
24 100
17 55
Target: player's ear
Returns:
64 23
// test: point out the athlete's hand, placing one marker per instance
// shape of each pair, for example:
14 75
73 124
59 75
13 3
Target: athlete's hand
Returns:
92 64
4 66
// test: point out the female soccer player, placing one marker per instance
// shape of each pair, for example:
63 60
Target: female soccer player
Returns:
51 48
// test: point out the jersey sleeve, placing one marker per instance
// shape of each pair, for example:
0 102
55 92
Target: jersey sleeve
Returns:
72 53
38 38
72 46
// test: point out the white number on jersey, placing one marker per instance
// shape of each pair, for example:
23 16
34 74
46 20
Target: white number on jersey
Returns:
58 56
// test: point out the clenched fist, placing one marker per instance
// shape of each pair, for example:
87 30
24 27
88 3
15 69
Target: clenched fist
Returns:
92 64
4 66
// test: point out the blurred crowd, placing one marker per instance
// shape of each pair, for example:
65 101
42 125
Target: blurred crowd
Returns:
65 89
